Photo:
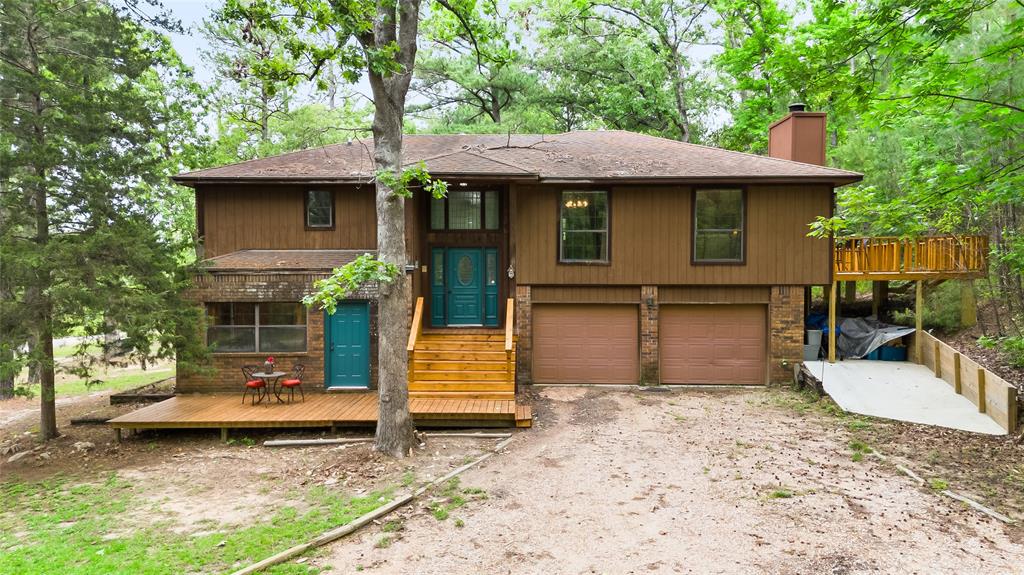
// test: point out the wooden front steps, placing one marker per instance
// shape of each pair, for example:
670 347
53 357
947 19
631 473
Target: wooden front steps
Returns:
462 365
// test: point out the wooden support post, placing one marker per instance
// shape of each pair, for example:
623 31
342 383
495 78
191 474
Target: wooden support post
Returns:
968 304
957 378
938 360
981 390
117 434
919 321
850 296
334 428
876 299
832 322
224 434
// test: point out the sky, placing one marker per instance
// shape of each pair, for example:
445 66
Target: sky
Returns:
191 14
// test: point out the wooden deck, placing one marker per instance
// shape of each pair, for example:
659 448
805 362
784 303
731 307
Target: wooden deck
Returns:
226 411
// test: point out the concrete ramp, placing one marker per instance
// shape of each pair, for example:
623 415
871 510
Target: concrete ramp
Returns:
902 391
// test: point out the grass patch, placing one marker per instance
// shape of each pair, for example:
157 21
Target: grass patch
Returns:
383 542
452 497
117 383
938 484
63 528
780 494
859 449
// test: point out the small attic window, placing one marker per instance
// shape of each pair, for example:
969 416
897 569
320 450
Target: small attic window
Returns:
319 209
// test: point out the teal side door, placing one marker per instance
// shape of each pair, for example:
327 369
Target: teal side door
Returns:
465 287
347 346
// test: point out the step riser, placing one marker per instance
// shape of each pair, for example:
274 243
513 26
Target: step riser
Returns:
491 356
465 365
460 346
461 375
461 395
463 386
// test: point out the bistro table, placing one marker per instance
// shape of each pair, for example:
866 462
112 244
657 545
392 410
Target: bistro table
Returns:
270 379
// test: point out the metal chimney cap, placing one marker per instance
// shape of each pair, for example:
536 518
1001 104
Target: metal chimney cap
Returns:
798 107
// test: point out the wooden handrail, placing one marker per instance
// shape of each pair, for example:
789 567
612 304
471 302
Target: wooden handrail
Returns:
923 255
510 368
509 315
416 329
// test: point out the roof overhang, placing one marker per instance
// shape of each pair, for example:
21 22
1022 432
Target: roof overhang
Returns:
192 182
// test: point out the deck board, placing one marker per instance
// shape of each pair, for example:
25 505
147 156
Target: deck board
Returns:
318 410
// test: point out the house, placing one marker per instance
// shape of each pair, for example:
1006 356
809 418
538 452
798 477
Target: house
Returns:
626 259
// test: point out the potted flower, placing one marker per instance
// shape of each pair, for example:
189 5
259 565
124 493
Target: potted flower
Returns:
268 366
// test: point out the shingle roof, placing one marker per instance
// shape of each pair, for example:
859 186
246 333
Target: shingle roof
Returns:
581 155
281 260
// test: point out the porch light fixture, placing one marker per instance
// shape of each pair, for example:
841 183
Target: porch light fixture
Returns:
577 203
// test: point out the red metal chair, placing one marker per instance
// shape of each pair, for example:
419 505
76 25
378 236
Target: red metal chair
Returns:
294 381
253 384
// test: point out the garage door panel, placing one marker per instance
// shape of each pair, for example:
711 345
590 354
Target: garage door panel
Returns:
585 344
715 344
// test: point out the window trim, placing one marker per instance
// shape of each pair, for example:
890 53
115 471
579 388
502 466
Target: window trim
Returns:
743 226
256 329
559 204
483 212
305 210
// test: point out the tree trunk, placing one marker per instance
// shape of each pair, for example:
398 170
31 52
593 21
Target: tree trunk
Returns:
394 426
42 328
40 304
394 423
680 95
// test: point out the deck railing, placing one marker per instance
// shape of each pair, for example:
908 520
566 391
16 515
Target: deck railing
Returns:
930 256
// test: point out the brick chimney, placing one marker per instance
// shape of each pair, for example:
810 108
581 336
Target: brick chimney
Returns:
799 136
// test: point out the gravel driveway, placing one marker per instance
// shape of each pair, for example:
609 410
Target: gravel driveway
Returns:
685 482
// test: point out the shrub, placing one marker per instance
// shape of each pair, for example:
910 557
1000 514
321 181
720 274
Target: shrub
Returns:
941 309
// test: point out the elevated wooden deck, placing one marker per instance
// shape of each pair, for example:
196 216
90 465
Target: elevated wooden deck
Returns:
226 411
924 258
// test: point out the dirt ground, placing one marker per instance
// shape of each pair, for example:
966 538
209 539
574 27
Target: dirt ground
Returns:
686 482
197 483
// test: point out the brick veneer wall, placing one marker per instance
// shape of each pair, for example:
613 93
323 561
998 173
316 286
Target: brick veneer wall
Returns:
524 335
649 354
785 332
224 370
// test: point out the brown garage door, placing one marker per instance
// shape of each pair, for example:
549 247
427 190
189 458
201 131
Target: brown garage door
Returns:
578 343
719 344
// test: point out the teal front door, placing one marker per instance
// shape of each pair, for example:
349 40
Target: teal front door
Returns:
465 287
347 346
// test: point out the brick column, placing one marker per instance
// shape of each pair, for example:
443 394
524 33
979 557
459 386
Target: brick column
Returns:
649 374
524 335
786 332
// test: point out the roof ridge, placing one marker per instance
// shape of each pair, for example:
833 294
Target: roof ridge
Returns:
748 154
511 165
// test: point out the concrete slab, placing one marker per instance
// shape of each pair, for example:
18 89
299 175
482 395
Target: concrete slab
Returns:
902 391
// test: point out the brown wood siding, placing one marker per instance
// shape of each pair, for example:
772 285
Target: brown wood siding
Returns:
585 294
238 217
651 235
714 294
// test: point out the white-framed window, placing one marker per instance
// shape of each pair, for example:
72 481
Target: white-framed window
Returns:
583 226
265 327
